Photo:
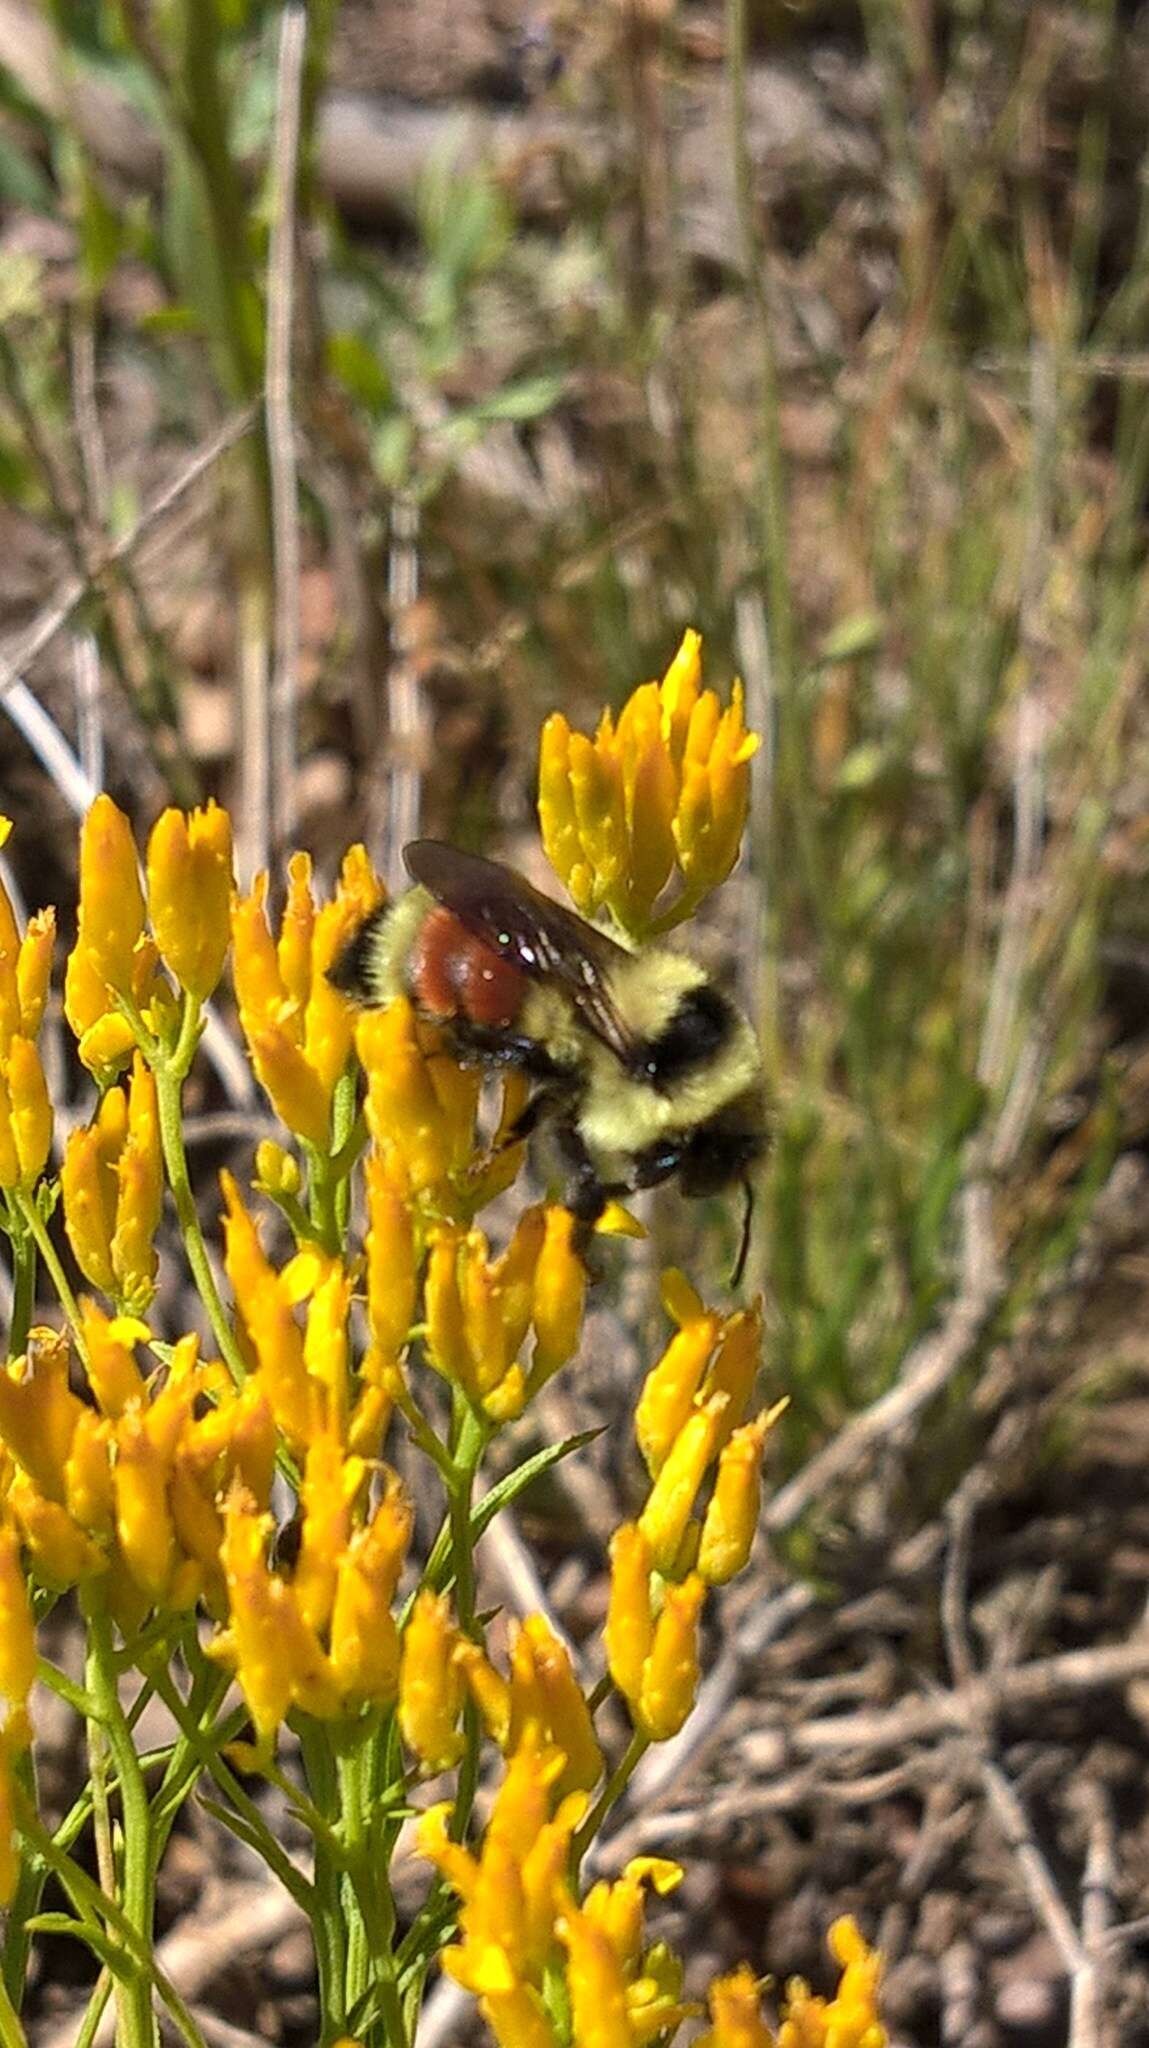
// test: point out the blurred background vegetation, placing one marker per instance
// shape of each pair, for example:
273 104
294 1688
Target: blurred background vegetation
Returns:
374 378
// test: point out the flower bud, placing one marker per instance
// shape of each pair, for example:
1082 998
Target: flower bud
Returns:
430 1684
629 1629
670 1677
111 899
189 893
732 1515
664 1518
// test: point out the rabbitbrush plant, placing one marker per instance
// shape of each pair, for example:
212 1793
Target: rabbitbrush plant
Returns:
136 1472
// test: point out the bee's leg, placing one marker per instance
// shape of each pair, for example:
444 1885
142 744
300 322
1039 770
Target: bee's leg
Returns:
488 1047
541 1105
586 1194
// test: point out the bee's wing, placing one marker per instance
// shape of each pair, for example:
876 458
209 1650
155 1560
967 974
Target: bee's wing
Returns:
543 939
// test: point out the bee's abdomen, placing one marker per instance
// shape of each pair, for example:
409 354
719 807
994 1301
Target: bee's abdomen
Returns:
454 976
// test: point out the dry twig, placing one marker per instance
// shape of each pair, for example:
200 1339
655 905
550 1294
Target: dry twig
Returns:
280 424
31 643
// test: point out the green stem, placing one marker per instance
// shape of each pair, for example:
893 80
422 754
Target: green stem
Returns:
199 1750
371 1962
23 1291
468 1441
101 1992
12 2034
38 1231
133 1991
612 1791
328 1921
94 1909
171 1071
25 1901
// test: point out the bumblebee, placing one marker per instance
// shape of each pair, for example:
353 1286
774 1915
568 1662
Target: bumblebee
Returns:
642 1068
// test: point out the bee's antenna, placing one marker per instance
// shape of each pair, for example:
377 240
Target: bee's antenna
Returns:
744 1246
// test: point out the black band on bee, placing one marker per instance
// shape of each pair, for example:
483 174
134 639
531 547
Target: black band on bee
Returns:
700 1027
351 970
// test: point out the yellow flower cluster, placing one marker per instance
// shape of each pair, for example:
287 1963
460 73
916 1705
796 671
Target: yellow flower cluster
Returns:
658 797
127 1488
322 1638
142 1474
441 1666
848 2020
689 1423
479 1310
520 1924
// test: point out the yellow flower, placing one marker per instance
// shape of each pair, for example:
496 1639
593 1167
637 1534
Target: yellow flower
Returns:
270 1335
111 899
488 1688
670 1676
670 1387
305 1372
653 1662
517 2018
513 1888
33 967
735 2013
273 1025
479 1310
599 2015
732 1517
17 1639
113 1375
629 1630
431 1684
39 1412
666 787
849 2019
420 1106
139 1196
392 1262
112 1188
144 1526
189 890
276 1656
545 1691
113 956
364 1638
62 1554
298 1027
558 1297
618 1908
88 1489
25 1115
330 1484
667 1513
735 1367
277 1173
